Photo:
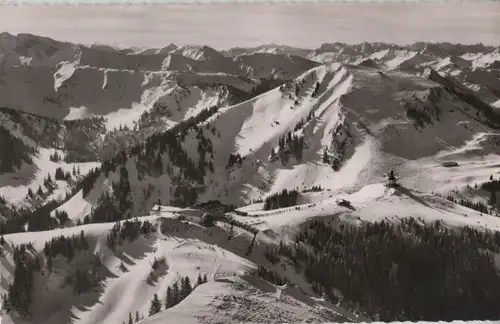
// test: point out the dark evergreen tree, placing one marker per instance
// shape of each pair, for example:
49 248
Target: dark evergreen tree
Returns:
185 288
60 174
169 299
325 156
280 200
155 305
176 293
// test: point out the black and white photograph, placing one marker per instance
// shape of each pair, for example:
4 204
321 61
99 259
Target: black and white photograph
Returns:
260 163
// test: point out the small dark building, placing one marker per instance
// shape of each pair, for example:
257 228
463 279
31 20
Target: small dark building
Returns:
391 180
213 207
450 164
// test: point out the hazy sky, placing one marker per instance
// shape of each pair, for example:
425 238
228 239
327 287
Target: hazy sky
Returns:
230 25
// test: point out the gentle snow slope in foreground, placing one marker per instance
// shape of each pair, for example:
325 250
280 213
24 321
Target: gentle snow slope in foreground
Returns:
128 290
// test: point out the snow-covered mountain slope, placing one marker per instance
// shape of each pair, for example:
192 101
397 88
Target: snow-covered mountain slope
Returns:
360 121
245 162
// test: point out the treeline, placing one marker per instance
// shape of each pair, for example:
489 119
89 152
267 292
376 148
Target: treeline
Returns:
285 198
479 206
110 208
68 247
294 86
96 123
313 189
116 207
182 169
128 231
20 292
289 144
79 137
81 280
174 295
303 121
405 271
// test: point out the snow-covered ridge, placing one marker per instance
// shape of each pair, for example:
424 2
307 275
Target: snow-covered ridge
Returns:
104 79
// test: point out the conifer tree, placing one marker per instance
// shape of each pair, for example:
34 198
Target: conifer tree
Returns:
130 320
205 279
155 305
185 287
169 300
199 281
176 293
136 316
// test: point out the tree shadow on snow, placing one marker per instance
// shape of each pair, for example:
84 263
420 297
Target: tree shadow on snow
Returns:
22 177
136 250
408 193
